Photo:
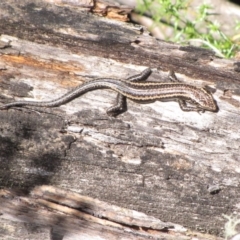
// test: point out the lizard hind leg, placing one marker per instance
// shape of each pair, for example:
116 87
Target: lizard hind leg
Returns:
119 107
121 103
143 76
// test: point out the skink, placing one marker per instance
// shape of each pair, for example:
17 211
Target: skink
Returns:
190 98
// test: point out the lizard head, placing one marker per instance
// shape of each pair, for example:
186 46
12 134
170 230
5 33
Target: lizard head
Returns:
205 100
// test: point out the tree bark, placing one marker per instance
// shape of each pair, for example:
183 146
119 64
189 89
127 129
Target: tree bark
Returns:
180 167
73 216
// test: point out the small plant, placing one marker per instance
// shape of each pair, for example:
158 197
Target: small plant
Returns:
173 13
230 226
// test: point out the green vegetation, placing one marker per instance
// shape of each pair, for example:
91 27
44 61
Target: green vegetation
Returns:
199 29
230 226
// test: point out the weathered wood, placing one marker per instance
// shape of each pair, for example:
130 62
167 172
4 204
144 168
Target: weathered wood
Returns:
69 213
74 216
180 167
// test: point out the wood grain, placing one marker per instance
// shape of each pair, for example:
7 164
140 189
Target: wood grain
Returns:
180 167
